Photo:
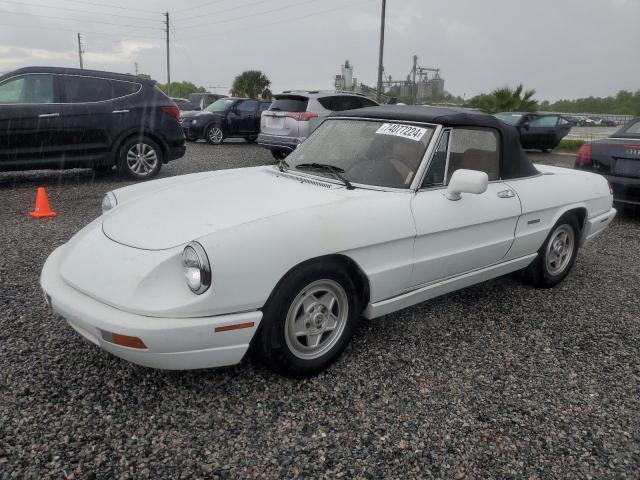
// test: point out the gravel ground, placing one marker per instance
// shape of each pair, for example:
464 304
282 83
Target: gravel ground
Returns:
495 381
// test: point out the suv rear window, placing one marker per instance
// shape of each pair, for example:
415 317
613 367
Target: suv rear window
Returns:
290 104
338 103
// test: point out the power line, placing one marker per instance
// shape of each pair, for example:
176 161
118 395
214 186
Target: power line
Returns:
102 5
39 27
77 20
242 17
129 17
217 12
285 20
199 6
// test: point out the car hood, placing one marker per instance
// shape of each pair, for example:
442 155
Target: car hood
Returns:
198 206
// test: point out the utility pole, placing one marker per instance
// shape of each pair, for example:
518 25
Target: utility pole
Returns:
380 67
135 68
168 58
414 87
80 50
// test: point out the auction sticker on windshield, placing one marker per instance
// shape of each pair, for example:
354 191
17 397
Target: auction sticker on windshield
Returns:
404 131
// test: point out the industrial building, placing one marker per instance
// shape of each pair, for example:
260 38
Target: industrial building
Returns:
420 84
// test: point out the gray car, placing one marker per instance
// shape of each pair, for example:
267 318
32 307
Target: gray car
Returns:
294 114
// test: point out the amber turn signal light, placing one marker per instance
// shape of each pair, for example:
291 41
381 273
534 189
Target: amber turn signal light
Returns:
237 326
123 340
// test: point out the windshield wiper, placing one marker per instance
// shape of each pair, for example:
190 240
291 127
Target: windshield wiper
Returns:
335 171
283 165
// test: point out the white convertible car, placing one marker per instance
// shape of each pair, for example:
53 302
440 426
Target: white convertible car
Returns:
381 208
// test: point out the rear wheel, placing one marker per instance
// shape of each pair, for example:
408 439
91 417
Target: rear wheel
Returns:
557 255
214 135
279 154
140 158
309 320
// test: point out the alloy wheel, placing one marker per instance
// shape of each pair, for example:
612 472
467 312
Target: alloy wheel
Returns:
560 249
142 159
316 319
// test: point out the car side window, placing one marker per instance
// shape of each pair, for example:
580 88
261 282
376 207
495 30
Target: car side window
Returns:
264 106
635 128
122 89
474 149
28 89
563 121
85 89
544 122
247 106
435 174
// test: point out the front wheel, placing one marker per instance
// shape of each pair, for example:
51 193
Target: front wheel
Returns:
557 255
309 320
214 135
140 158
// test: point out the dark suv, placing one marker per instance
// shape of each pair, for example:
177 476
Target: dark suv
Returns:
225 118
69 118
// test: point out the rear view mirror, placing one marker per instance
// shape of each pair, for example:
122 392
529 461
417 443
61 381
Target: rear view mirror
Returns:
466 181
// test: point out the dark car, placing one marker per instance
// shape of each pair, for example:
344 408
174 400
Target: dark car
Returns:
225 118
537 131
200 101
618 159
69 118
183 104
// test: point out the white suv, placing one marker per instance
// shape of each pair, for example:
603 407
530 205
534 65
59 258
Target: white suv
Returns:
294 114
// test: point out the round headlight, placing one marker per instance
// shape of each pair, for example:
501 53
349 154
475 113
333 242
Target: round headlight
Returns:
109 202
196 268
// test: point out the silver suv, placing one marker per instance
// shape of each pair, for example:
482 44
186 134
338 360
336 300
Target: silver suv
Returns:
294 114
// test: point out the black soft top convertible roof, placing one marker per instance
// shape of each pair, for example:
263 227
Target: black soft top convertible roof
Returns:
514 163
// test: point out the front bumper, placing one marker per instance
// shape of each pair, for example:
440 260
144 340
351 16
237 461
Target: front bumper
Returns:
172 343
276 142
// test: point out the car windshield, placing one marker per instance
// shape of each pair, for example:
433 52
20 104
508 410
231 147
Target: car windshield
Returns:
380 153
509 118
221 105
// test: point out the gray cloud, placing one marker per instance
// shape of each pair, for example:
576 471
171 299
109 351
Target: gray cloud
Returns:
563 48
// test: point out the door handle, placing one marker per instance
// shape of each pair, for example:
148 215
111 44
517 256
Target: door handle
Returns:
506 194
120 111
48 115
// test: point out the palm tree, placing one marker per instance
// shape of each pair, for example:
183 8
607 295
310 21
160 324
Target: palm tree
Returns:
252 84
506 99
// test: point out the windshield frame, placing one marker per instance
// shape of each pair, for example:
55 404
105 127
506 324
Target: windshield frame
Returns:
417 178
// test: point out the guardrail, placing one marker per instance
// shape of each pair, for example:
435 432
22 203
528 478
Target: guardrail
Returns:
586 136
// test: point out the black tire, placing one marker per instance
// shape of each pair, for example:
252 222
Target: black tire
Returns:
272 343
279 154
540 273
127 158
214 135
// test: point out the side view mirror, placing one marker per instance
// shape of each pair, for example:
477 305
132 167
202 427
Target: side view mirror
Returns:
466 181
526 125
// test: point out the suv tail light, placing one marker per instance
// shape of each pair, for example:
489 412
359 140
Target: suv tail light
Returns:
172 112
301 116
584 155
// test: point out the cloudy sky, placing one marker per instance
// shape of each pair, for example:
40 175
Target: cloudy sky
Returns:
562 48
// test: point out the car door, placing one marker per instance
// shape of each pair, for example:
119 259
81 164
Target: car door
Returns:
543 130
455 237
29 119
243 117
87 116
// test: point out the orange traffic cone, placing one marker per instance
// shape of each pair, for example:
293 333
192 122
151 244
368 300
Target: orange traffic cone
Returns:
42 205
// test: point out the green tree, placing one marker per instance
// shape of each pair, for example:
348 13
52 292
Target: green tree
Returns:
181 89
623 103
506 99
252 84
